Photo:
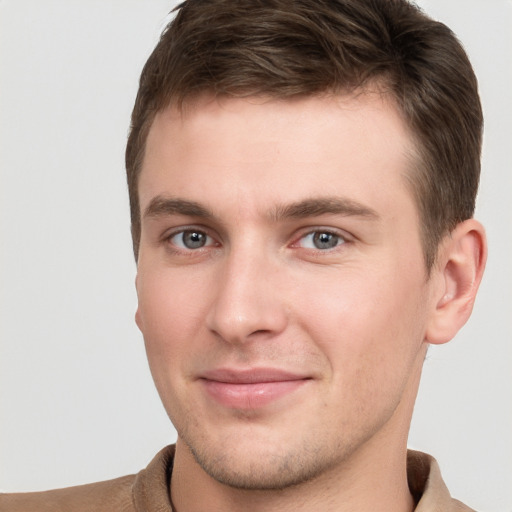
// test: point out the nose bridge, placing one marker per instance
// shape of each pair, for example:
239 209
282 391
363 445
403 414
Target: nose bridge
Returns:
247 301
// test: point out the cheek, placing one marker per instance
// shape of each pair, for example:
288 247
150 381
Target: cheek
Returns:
366 324
169 311
370 337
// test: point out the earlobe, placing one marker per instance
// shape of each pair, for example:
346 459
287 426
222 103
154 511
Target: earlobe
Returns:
138 317
459 270
138 320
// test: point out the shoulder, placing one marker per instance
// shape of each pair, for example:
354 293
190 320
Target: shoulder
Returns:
427 486
98 497
148 490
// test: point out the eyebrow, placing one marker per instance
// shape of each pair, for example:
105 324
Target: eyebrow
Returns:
313 207
323 206
163 206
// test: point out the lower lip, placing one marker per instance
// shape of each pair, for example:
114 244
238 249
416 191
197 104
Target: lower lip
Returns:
250 396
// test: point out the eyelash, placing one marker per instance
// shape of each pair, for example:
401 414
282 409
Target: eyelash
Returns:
342 239
187 250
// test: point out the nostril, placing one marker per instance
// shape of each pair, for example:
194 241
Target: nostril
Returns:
261 323
260 331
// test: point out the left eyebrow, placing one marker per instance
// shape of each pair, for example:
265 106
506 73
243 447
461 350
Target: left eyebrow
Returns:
315 207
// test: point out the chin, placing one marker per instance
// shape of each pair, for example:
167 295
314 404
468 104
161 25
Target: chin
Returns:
262 466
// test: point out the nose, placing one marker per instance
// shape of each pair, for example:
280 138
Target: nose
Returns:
248 302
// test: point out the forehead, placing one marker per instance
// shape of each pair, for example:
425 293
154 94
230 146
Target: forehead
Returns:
262 149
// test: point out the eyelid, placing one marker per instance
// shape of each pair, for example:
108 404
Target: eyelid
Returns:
170 232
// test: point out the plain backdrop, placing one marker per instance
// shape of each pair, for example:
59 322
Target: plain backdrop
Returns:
77 403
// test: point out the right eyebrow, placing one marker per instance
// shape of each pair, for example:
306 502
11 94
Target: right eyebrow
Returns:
161 206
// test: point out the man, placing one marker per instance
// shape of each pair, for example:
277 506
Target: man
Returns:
302 180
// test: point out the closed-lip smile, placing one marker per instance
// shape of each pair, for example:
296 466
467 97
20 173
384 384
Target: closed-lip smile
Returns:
250 388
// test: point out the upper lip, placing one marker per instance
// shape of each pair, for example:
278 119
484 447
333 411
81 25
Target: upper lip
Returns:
251 376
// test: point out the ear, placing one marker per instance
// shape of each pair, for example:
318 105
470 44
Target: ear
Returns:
458 272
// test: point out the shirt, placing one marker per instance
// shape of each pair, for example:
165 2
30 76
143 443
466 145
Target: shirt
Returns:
148 491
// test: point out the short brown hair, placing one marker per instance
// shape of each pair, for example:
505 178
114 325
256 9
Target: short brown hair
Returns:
290 48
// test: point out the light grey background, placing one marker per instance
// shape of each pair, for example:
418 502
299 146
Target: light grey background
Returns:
77 403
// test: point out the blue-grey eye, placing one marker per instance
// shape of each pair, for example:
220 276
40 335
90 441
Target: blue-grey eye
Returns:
321 240
191 239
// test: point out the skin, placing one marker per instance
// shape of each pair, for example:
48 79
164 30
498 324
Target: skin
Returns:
263 184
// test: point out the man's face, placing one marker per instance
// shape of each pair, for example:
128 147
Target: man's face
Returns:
282 289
